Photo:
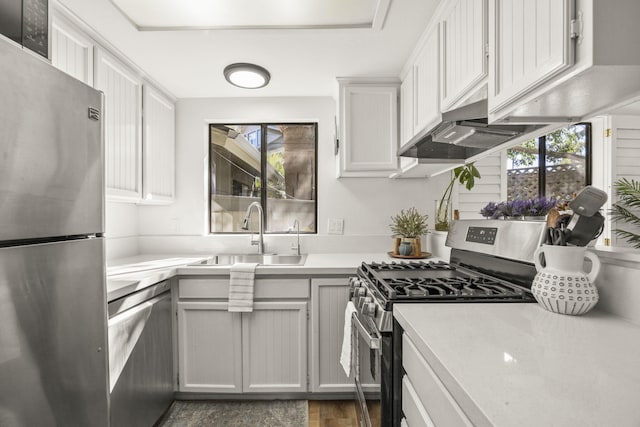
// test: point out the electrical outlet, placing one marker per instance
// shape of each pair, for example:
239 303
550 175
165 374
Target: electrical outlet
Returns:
335 226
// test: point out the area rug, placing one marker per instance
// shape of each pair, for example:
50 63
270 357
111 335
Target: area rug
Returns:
236 413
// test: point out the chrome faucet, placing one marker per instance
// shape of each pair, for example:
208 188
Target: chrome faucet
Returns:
245 226
297 225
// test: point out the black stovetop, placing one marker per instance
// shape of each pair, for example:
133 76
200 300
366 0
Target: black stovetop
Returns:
437 281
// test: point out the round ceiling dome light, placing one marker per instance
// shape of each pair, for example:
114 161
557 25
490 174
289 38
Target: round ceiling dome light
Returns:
247 76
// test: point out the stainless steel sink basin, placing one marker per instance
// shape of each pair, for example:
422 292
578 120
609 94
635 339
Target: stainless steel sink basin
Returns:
261 259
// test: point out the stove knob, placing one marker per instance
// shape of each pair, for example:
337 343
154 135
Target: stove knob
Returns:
359 291
369 309
362 302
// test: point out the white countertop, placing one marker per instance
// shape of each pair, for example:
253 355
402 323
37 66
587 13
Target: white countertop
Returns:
519 365
127 275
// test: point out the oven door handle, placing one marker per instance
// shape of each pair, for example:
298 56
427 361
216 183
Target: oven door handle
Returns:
372 342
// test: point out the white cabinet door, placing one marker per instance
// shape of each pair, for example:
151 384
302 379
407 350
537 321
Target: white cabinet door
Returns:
426 80
464 41
158 147
369 123
274 350
530 42
329 299
71 51
406 108
209 348
123 131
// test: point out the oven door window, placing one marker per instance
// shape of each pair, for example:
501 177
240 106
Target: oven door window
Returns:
366 359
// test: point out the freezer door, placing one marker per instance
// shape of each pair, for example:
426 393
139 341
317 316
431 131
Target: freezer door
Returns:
53 335
51 151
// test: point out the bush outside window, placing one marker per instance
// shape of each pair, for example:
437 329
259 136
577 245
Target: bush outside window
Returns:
556 165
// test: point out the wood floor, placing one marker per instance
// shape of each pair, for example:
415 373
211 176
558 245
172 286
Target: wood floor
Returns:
338 413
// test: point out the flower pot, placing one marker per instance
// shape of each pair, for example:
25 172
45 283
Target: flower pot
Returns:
405 249
562 286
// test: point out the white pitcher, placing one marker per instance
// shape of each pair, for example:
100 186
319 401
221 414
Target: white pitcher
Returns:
562 286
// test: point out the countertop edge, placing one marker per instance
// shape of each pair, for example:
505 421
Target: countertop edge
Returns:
469 407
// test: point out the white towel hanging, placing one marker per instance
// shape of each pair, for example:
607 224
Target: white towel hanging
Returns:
345 355
241 287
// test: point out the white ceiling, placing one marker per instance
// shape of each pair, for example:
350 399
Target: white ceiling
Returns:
302 62
155 14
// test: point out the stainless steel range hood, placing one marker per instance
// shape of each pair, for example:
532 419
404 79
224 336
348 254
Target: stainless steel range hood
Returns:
463 133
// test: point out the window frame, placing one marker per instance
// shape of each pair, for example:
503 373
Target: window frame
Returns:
542 158
263 173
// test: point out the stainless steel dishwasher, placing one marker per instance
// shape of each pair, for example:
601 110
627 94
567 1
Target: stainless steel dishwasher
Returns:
140 356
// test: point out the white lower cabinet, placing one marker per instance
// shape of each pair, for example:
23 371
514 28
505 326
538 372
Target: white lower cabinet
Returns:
260 351
209 347
329 297
425 399
274 347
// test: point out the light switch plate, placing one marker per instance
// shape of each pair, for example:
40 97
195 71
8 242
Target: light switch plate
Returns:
335 226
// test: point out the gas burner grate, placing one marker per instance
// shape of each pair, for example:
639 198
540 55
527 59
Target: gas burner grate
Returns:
410 265
453 287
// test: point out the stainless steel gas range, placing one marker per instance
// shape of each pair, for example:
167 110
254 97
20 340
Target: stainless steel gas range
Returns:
491 261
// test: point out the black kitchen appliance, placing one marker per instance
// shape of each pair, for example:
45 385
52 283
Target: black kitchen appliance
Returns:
26 22
491 261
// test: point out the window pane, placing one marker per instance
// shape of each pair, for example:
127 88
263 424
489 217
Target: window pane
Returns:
565 162
234 174
522 171
291 189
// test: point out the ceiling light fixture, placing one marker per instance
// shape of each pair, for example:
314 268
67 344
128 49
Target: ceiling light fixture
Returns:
247 76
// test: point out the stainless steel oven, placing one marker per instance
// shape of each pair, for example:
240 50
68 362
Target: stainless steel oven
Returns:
366 358
491 261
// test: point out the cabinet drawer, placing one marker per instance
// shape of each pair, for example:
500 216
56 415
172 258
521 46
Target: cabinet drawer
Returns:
436 399
263 288
414 412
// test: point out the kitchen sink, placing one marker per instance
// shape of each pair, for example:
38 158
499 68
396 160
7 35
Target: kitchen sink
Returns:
261 259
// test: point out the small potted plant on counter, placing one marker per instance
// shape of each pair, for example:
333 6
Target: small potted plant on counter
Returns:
466 175
408 227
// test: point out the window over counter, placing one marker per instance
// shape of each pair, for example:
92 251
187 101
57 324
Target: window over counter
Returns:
270 163
555 165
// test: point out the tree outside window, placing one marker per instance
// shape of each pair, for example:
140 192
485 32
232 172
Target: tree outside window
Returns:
556 165
274 164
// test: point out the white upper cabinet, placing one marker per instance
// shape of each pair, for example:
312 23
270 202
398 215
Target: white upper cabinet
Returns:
561 61
158 147
406 108
123 128
71 51
368 128
420 101
426 84
531 44
464 50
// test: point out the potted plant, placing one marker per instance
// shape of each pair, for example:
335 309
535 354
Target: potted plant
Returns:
466 175
409 224
626 209
529 209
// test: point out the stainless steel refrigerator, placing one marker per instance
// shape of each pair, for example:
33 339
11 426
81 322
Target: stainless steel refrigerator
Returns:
53 355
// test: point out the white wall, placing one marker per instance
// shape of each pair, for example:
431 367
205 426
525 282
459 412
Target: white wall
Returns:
121 230
365 204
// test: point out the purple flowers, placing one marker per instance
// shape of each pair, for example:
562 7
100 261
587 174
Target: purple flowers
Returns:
539 206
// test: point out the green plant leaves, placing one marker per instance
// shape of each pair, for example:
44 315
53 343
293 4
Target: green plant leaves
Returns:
409 223
629 193
466 175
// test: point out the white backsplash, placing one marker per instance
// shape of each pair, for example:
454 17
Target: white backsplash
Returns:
618 285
